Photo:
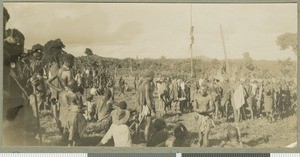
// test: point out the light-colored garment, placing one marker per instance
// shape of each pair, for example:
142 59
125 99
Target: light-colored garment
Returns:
200 82
76 123
120 134
204 123
292 145
238 97
254 89
93 91
91 109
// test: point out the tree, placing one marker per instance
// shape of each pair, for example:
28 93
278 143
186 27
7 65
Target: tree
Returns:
286 67
54 50
287 41
248 62
88 52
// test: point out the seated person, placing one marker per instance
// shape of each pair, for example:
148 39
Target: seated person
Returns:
119 131
233 137
180 135
178 139
158 134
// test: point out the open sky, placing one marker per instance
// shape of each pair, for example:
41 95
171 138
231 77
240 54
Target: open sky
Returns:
152 30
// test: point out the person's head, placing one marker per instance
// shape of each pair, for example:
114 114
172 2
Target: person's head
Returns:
69 60
122 105
180 131
37 55
6 17
149 75
13 45
90 98
232 133
120 116
107 94
159 124
203 90
40 90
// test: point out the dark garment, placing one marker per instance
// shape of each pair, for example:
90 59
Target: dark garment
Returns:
157 138
184 104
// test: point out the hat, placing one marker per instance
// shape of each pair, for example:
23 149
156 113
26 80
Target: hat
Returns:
120 116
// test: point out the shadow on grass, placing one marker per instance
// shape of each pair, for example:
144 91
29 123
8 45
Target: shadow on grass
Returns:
258 141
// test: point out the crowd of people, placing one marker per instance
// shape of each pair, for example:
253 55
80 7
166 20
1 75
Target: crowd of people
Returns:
76 98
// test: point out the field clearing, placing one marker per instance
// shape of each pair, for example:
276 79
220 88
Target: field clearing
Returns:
258 133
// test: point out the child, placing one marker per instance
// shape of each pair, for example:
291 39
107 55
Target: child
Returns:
233 137
76 122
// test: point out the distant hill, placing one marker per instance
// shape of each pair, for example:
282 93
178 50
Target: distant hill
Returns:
202 57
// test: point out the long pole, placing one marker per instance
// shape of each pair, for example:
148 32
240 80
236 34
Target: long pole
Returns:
192 40
228 74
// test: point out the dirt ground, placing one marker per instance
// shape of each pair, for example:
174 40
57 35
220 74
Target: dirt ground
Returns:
258 133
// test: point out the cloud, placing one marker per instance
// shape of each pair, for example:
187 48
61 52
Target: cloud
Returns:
75 25
152 30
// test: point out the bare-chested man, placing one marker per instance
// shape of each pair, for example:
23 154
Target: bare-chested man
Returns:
145 100
204 107
64 75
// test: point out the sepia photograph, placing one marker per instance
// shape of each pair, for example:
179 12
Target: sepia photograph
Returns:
143 75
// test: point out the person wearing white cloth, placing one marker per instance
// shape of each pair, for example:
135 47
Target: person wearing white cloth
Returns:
119 131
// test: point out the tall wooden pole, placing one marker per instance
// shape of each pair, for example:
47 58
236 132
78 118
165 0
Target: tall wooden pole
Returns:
228 74
192 40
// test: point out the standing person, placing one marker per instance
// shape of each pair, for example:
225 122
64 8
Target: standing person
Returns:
110 86
119 131
64 75
226 99
146 101
104 107
89 79
76 122
136 82
122 85
53 69
174 92
268 101
165 96
13 98
184 96
79 79
286 98
204 107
